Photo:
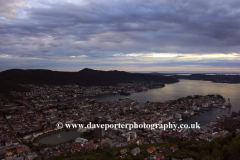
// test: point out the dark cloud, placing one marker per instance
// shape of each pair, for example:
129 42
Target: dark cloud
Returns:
101 29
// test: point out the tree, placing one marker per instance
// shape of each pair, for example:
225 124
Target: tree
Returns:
95 140
138 157
144 154
109 154
128 157
118 133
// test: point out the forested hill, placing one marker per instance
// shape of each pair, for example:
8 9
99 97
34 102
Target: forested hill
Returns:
226 148
85 77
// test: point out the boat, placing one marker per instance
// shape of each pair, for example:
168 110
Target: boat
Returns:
92 100
195 113
229 104
191 113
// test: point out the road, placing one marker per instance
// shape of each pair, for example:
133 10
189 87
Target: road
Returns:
26 104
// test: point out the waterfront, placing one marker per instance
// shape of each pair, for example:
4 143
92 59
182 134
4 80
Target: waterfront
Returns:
182 89
169 92
60 137
177 90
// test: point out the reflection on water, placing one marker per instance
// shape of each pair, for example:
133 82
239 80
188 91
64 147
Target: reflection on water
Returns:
207 117
182 89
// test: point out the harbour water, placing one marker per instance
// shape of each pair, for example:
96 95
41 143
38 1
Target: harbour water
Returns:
60 137
182 89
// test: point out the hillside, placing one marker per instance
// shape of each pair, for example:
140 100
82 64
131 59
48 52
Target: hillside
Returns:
226 148
7 87
85 77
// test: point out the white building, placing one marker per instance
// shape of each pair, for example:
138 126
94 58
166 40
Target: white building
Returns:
81 140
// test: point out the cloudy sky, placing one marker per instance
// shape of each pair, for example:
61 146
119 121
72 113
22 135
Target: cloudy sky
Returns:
130 35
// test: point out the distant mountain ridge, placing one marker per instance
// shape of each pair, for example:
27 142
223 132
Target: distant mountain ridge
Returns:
85 77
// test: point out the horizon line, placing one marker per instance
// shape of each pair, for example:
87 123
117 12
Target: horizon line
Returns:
165 72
